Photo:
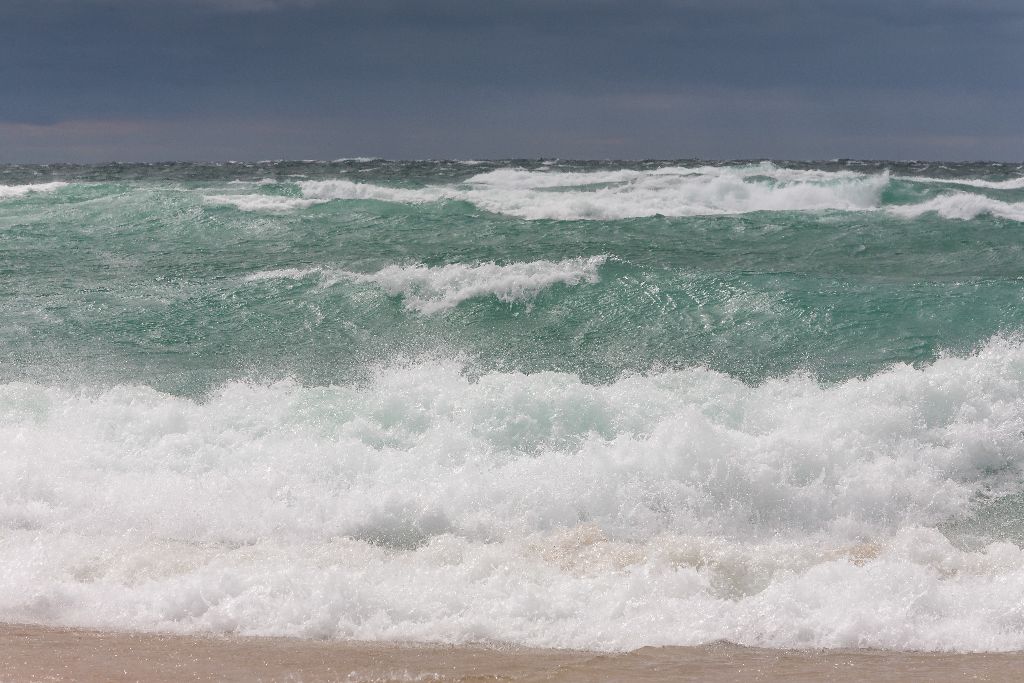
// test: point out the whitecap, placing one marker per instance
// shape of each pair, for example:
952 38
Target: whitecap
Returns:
282 274
429 290
10 191
625 193
260 202
261 181
963 206
673 192
325 190
432 289
1009 184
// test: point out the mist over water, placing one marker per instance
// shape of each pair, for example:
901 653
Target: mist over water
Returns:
564 404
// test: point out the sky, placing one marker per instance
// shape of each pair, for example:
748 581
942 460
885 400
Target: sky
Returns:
204 80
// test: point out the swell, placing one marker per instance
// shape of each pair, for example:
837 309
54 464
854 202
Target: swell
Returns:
596 316
630 194
550 193
13 191
665 191
431 289
962 206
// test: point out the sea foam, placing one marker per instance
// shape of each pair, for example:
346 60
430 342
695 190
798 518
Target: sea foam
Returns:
963 206
1009 184
669 191
326 190
678 507
429 290
260 202
604 195
10 191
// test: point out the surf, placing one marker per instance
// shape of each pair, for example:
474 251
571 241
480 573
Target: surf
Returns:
538 509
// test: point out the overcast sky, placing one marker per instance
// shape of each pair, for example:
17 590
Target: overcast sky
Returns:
127 80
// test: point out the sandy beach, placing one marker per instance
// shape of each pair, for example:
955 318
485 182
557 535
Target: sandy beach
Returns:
37 653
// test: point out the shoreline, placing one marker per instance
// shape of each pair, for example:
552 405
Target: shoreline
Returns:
34 653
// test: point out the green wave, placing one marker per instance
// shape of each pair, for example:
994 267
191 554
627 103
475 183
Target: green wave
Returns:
130 274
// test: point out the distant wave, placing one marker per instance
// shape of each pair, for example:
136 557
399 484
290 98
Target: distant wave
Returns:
326 190
670 191
626 193
262 181
260 202
673 191
963 206
433 289
10 191
283 274
1011 184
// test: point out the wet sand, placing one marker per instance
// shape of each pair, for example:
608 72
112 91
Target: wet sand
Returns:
35 653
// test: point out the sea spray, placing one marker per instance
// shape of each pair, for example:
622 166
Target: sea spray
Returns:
552 512
429 290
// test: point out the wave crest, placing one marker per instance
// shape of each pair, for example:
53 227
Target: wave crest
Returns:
326 190
1009 184
606 195
672 192
429 290
963 206
669 191
432 289
260 202
10 191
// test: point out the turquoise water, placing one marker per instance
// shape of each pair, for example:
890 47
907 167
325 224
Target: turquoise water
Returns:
130 274
563 404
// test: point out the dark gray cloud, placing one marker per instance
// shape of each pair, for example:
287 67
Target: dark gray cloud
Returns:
588 78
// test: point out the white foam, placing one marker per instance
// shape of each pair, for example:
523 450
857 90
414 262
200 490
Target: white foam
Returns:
673 191
522 179
964 206
1010 184
676 192
677 508
346 189
10 191
260 202
282 273
432 289
261 181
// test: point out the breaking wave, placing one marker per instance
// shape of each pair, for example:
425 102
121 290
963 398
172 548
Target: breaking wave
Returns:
963 206
674 508
1010 184
431 289
669 191
326 190
260 202
619 194
10 191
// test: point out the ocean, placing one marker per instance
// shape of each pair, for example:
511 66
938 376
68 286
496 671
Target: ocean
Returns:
594 405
